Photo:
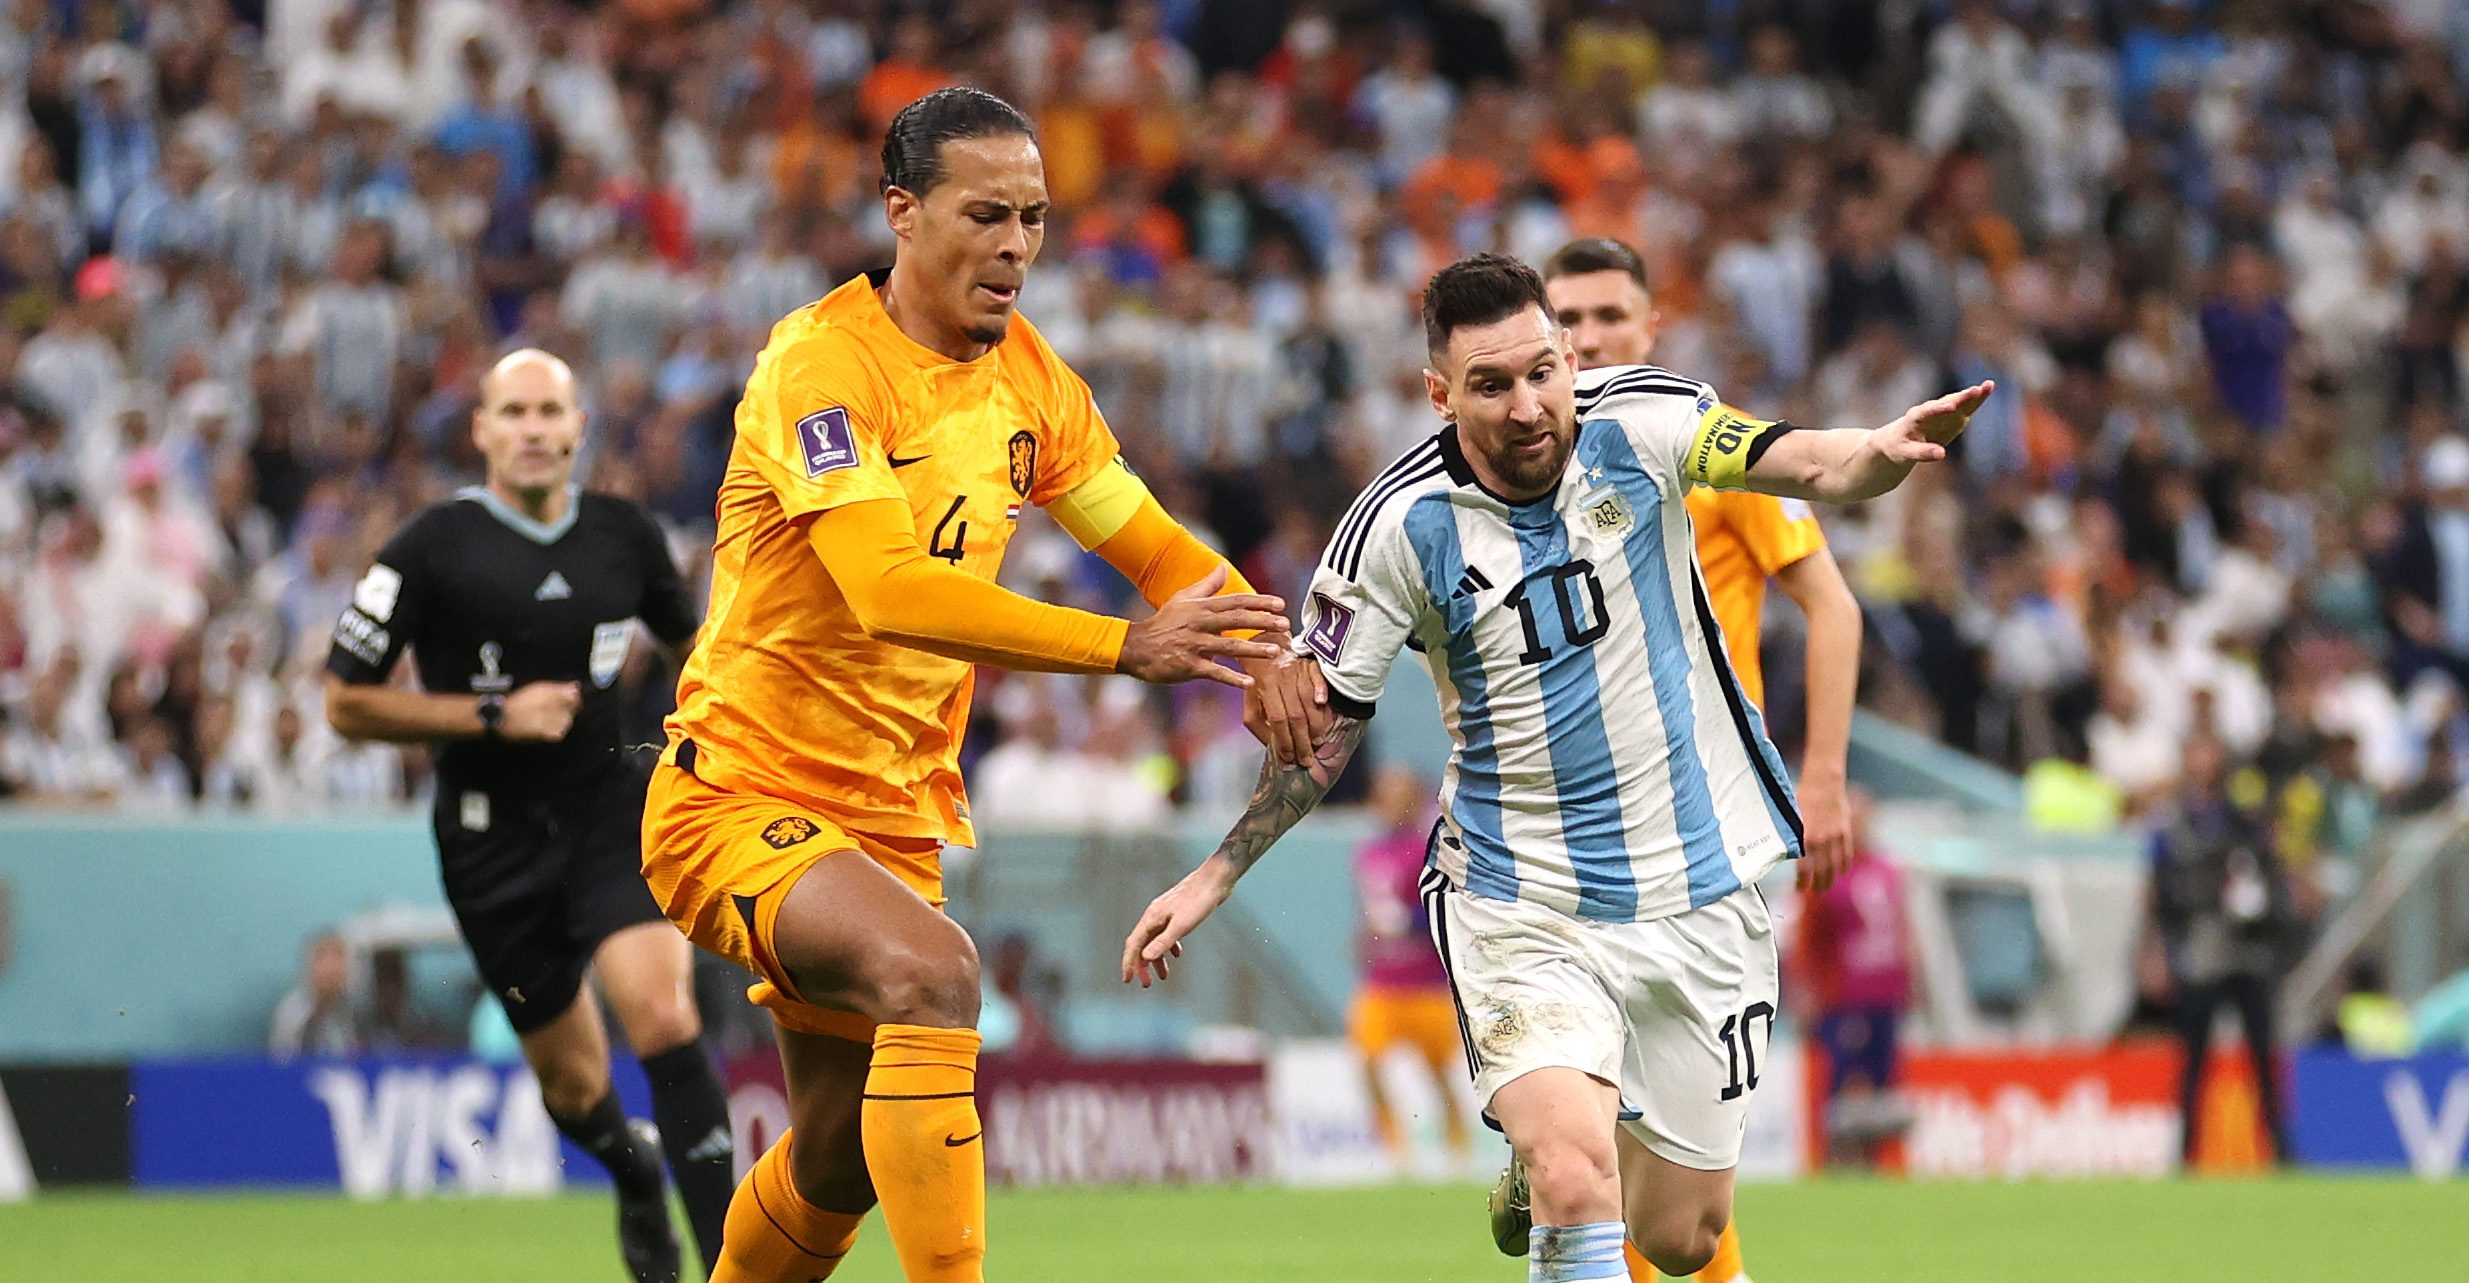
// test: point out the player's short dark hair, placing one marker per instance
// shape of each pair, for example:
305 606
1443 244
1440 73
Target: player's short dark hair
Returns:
1478 290
913 146
1595 254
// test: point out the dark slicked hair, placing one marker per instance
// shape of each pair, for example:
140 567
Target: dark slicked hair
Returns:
1478 290
1595 254
913 146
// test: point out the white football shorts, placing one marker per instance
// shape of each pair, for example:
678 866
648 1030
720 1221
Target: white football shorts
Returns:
1675 1012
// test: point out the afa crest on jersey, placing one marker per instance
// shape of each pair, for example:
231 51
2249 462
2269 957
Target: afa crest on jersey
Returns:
1611 515
1024 463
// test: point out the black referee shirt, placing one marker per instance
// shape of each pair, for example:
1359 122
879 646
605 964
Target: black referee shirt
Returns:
489 600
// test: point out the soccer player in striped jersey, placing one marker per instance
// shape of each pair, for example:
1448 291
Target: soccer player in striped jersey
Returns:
1598 292
1612 797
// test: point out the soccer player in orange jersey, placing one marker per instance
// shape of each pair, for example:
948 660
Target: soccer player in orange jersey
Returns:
887 439
1598 290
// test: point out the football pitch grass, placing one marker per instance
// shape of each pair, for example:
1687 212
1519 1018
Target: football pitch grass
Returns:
2240 1231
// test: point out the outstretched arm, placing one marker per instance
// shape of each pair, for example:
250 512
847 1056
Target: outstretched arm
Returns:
901 595
1853 465
1286 793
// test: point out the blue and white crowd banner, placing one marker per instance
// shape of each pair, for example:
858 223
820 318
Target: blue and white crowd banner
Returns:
375 1128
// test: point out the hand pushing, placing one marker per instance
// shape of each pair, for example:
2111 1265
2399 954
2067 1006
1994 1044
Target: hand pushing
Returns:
1186 638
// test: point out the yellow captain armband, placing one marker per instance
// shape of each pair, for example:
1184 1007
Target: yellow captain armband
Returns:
1113 515
1097 509
1725 444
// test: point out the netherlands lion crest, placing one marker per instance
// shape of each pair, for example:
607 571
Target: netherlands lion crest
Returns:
788 831
1024 463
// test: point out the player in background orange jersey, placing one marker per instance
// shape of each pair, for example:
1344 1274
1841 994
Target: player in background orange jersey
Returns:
886 440
1598 290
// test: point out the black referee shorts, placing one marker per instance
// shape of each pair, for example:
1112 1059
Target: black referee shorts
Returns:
536 883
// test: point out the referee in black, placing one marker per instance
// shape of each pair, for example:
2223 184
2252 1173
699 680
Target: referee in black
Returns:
517 598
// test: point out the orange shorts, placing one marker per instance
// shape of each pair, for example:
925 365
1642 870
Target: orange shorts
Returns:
1423 1019
720 863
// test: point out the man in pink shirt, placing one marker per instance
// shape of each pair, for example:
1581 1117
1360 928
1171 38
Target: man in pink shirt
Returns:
1855 950
1403 993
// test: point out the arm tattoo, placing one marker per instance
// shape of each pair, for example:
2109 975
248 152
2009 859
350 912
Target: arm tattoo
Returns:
1286 793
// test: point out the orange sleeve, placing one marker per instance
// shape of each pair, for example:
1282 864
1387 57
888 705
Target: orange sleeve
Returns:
1777 532
1161 558
901 595
815 431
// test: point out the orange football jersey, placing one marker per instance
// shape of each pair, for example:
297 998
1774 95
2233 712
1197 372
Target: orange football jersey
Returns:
785 695
1742 538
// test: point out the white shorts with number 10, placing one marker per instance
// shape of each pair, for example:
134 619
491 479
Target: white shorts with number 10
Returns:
1675 1012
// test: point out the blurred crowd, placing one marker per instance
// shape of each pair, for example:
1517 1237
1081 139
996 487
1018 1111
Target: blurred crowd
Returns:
2215 255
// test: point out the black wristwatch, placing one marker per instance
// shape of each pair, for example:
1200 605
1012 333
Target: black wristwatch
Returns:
492 716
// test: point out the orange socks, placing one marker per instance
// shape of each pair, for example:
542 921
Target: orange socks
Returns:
926 1150
775 1236
1727 1263
926 1154
1724 1268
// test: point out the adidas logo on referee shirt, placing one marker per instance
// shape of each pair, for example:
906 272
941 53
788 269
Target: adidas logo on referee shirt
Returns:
553 588
716 1145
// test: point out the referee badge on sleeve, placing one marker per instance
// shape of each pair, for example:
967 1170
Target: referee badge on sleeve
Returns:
610 642
1330 624
827 441
377 591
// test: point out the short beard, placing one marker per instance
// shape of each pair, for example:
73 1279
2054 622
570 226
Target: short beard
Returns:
1521 476
987 335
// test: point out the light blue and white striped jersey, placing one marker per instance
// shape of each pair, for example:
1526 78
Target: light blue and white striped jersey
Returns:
1605 761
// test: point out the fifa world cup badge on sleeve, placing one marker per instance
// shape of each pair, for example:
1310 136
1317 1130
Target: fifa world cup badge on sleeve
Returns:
827 441
1330 624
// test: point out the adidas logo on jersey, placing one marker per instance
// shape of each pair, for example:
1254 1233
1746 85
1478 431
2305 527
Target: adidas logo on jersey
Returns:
553 588
1470 583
